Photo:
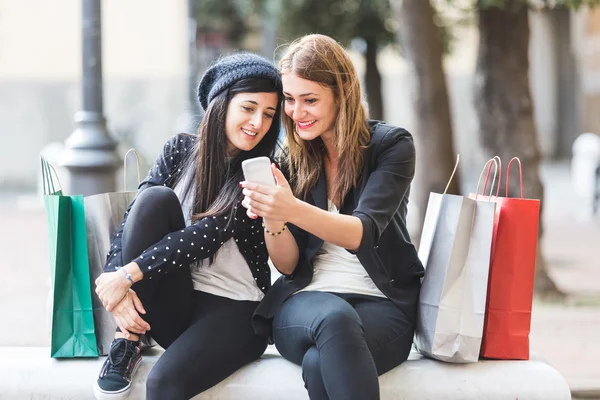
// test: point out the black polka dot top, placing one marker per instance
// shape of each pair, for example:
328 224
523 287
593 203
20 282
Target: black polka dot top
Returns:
199 240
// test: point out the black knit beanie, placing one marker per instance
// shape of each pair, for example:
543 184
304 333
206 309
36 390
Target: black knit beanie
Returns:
228 70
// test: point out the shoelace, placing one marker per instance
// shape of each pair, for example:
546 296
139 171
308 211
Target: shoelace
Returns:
119 357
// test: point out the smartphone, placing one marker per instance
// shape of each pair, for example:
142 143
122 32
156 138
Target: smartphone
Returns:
258 170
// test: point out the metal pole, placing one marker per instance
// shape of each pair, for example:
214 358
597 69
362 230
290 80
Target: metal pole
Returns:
90 153
193 62
190 117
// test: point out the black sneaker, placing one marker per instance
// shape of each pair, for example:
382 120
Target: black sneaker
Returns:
114 381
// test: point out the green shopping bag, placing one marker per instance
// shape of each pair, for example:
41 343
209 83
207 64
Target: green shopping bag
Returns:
72 315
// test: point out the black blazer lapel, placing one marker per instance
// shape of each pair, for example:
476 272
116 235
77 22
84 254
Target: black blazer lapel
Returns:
319 192
319 195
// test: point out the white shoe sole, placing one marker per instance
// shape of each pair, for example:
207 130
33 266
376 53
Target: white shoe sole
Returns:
123 394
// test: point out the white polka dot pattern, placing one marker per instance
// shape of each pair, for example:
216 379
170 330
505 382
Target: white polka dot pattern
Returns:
197 241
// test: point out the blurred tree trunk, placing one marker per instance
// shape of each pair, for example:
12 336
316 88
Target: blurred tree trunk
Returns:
504 107
422 45
373 81
270 12
569 95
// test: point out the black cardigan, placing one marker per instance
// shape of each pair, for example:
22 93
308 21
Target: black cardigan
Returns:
380 203
199 240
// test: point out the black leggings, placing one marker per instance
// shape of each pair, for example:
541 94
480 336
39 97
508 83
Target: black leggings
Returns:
206 337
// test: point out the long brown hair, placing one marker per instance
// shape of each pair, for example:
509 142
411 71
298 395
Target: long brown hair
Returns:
321 59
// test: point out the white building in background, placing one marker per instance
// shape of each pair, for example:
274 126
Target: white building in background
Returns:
145 65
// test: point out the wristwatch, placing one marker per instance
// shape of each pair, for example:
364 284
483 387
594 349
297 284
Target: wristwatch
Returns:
127 275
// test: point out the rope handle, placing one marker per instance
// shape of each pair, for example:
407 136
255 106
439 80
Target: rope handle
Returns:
48 181
499 176
453 172
56 175
520 175
45 180
493 160
137 159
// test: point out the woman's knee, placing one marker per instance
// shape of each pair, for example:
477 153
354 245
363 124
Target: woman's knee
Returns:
160 205
342 321
157 197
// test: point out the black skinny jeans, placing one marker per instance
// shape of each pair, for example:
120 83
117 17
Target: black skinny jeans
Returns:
342 341
206 337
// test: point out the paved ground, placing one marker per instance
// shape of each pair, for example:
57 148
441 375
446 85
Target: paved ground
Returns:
565 334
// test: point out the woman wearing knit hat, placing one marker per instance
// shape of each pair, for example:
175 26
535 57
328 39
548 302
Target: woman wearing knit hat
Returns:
187 266
345 308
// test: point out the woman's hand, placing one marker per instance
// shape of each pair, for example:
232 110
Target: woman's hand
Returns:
274 203
111 287
127 315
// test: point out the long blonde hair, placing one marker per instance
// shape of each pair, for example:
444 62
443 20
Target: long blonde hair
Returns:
321 59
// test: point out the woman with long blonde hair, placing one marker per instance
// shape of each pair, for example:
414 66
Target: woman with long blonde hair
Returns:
346 304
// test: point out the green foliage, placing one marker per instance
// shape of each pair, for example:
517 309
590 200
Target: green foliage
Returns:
229 17
491 3
341 19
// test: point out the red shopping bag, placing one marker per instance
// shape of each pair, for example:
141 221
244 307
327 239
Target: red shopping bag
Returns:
512 269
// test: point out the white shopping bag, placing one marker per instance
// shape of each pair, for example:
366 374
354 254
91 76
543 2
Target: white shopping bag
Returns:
103 215
455 250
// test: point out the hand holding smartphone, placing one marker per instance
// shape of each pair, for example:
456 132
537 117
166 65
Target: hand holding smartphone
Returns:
258 170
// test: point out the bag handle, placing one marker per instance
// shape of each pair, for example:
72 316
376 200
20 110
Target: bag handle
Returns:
493 160
453 172
137 159
47 179
520 175
487 165
56 175
499 176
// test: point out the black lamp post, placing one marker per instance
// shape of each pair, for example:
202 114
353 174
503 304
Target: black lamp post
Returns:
90 152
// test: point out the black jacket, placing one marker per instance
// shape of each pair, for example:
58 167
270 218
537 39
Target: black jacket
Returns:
199 240
380 203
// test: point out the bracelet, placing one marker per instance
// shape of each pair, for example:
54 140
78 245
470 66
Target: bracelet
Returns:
127 275
275 233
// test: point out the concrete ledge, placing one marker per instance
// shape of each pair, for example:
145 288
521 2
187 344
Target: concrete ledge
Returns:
29 373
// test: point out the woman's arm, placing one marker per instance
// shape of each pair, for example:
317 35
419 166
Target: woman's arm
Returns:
387 184
163 173
386 187
177 249
278 204
383 192
341 230
282 248
183 247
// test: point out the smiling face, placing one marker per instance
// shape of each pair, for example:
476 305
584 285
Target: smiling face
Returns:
310 105
249 117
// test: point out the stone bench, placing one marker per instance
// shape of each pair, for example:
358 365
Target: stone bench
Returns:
29 373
